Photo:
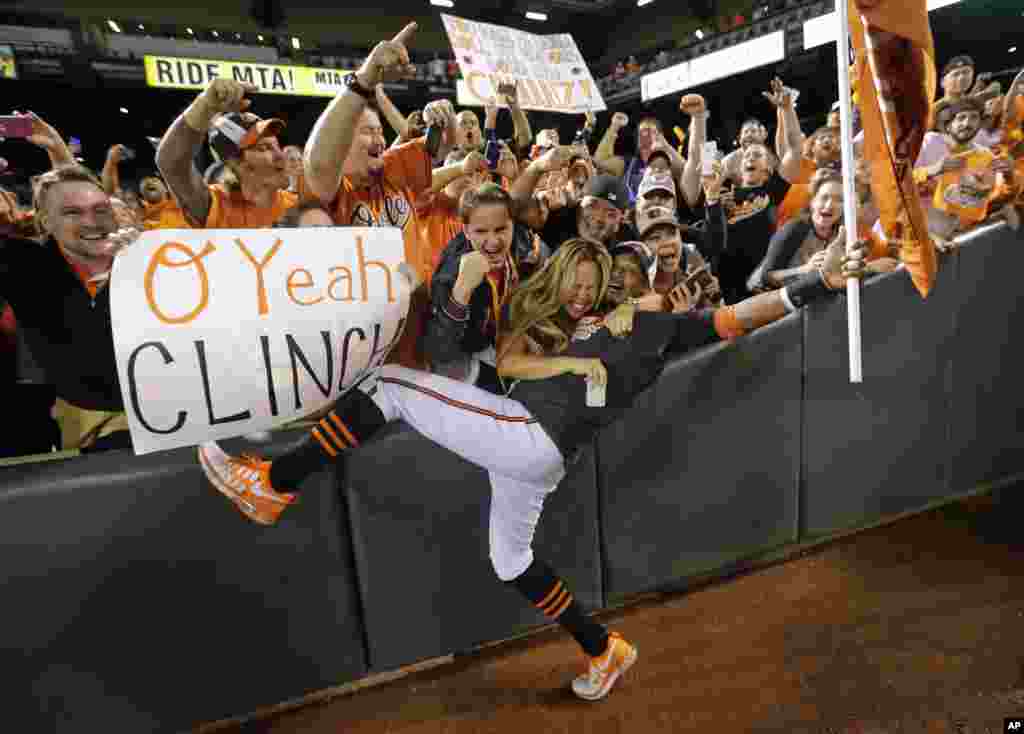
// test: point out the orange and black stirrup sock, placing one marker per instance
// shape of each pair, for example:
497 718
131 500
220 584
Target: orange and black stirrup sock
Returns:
550 594
352 420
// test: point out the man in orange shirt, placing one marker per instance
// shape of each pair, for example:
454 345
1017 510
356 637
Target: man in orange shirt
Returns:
438 209
160 210
257 195
349 167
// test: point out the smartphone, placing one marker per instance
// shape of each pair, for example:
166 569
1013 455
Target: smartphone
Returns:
595 395
15 127
709 156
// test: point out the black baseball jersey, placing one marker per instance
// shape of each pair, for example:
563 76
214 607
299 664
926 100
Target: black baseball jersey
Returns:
633 363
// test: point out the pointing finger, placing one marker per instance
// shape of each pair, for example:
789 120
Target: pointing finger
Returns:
405 34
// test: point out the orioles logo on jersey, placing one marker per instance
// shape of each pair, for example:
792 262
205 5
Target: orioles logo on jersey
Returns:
395 213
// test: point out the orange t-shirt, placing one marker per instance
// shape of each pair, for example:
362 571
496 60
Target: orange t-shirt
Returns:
230 210
439 225
799 195
390 201
164 215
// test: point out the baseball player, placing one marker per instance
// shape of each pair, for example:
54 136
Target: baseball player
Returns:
552 335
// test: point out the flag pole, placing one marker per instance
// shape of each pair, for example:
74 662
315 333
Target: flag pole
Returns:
849 190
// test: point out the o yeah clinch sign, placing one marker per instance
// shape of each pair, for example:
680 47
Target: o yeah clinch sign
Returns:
220 333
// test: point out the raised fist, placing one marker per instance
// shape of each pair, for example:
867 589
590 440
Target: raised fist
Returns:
692 104
227 95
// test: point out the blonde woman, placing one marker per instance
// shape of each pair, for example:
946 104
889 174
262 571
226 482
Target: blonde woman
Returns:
552 342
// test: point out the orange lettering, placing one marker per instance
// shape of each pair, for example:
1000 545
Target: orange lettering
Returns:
363 263
261 290
159 258
307 284
346 275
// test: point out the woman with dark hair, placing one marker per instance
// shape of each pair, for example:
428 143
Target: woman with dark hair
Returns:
475 275
799 247
552 335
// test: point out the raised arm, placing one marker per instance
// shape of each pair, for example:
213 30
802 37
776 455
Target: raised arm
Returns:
604 157
694 106
715 228
526 207
395 119
331 139
467 166
177 150
789 138
520 122
45 136
110 176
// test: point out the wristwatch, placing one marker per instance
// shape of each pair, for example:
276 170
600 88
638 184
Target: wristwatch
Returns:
352 82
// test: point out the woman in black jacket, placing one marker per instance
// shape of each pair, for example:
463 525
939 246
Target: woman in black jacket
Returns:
477 271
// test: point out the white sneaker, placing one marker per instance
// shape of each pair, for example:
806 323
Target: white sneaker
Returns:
603 671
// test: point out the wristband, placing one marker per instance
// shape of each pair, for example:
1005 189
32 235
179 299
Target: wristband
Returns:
807 288
352 83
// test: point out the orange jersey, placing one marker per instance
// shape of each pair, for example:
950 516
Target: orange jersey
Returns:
163 215
799 195
390 201
230 210
439 224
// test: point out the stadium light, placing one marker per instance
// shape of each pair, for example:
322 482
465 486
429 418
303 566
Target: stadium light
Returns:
124 110
215 34
190 31
641 3
443 3
114 26
1013 49
531 15
260 38
142 27
295 43
700 34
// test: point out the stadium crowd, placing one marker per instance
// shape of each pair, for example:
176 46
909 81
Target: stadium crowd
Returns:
535 258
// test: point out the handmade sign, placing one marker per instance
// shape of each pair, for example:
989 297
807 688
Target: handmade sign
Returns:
549 70
222 333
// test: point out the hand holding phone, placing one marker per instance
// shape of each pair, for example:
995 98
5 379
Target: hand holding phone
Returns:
709 156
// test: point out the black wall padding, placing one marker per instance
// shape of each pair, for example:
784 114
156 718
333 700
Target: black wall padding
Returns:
420 524
880 447
137 599
703 469
987 440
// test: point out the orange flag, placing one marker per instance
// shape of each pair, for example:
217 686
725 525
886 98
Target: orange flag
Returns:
895 80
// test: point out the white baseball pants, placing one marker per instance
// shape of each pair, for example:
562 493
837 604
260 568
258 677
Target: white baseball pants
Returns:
495 433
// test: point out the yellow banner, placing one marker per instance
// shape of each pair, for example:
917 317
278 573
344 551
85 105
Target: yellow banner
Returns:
8 67
170 72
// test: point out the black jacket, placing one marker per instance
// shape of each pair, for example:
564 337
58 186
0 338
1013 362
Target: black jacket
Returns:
67 331
448 339
783 246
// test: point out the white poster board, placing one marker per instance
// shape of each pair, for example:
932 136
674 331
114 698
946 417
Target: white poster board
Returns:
223 333
550 71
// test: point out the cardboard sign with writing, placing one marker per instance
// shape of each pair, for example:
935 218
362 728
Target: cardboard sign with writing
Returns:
170 72
222 333
550 71
965 193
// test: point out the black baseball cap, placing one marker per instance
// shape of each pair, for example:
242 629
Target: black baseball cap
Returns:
956 62
609 188
232 133
638 250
